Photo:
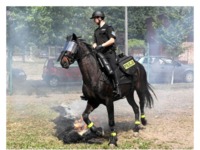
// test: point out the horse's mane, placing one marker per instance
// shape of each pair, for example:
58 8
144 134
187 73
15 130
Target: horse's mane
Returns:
89 46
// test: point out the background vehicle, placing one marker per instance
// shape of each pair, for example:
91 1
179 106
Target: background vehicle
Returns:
137 57
18 75
161 69
54 74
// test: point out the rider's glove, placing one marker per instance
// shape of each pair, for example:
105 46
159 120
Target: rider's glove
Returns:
99 48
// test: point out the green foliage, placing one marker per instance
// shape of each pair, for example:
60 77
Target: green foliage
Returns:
177 30
172 25
48 26
136 44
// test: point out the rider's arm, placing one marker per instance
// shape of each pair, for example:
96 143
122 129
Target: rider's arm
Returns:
109 42
111 34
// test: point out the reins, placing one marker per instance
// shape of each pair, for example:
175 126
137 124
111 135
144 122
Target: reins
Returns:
89 52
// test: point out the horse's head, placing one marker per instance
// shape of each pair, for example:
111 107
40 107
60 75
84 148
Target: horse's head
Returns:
75 49
69 53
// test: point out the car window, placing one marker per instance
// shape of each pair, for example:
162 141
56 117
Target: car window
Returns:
57 64
161 62
156 61
153 60
145 60
167 61
141 60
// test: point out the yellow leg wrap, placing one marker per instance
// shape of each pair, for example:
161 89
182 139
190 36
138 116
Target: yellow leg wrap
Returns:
137 122
142 116
113 134
90 125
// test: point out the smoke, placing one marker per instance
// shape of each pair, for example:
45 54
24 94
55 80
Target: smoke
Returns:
77 107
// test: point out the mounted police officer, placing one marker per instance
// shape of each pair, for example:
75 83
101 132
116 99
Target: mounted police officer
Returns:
104 43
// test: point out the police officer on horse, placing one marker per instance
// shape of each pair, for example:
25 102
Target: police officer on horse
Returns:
104 43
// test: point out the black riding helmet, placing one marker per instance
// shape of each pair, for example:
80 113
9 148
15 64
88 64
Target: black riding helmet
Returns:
98 14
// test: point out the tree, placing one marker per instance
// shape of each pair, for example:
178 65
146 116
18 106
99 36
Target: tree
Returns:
175 29
46 26
171 26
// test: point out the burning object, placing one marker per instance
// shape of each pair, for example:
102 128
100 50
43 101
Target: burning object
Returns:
72 129
77 137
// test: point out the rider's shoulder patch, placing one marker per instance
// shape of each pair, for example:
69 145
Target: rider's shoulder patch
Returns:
113 33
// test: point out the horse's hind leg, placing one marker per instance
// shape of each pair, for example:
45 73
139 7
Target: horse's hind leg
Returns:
89 108
135 107
142 103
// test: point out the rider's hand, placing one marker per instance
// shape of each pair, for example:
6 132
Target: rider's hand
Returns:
99 48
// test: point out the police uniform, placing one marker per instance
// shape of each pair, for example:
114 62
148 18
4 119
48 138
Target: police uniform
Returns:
102 35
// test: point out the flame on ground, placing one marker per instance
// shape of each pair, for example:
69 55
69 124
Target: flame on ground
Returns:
79 125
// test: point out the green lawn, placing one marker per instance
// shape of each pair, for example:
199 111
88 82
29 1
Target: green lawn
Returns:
30 126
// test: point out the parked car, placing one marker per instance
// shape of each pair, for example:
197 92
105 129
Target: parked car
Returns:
54 74
137 57
163 69
18 75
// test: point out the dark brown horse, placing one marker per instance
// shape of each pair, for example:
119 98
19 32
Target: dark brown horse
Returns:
98 89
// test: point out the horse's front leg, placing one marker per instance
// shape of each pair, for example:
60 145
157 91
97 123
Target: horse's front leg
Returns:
111 120
89 108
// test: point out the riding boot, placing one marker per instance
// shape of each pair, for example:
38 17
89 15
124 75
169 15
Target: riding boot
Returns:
116 90
83 98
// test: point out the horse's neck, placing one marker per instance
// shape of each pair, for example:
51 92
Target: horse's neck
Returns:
89 69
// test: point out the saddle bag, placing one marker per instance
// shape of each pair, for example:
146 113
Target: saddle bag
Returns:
127 64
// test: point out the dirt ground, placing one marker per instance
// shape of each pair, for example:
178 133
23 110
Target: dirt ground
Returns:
170 121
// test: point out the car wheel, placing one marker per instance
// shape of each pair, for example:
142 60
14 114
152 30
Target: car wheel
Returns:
189 77
53 81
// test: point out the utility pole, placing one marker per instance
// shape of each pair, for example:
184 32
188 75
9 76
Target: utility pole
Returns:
126 31
9 69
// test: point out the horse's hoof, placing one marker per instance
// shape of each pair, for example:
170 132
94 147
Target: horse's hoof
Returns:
100 131
113 141
144 121
136 128
112 146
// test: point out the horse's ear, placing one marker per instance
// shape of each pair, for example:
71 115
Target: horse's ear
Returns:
74 37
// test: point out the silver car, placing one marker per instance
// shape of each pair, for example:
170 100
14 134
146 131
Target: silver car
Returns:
162 69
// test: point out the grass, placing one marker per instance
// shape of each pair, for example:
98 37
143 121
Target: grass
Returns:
30 126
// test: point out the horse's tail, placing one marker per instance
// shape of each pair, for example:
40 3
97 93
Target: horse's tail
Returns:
143 87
